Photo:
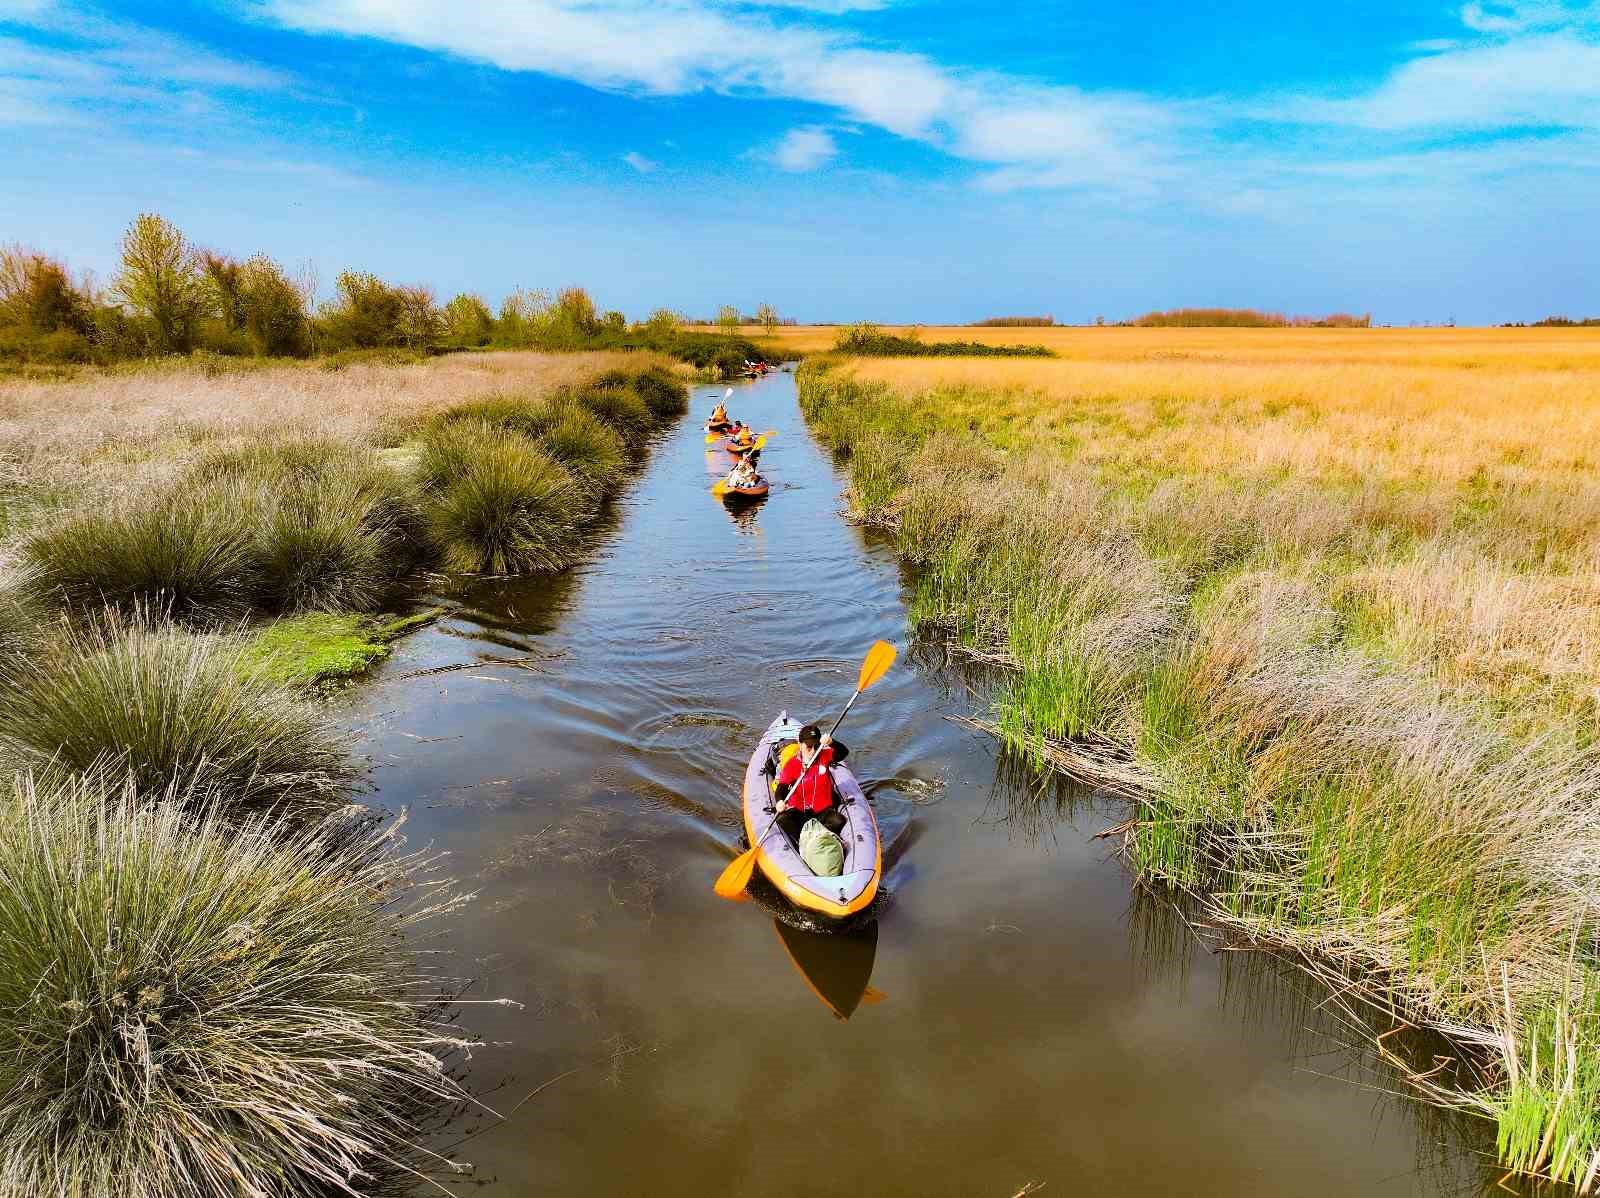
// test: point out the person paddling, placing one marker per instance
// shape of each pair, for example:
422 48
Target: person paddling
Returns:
744 475
805 787
719 414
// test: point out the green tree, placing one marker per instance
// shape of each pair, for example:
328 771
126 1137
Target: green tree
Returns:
662 321
728 318
37 295
366 313
160 283
274 310
767 317
223 278
421 323
468 321
614 322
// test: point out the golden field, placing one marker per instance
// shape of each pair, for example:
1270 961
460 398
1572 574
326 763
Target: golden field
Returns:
1328 603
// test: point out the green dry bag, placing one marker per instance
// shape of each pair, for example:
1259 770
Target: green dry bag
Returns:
821 850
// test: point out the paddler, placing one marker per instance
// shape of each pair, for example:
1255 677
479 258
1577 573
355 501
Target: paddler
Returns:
743 437
719 414
744 475
805 786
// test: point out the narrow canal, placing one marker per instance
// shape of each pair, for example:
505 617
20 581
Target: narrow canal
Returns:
1018 1014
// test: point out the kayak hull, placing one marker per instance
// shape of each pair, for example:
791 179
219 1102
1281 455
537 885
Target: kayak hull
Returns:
832 899
728 492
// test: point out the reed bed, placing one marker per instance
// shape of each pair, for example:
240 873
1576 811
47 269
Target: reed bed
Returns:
1334 625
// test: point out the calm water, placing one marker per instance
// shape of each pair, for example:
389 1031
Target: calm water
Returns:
1017 1015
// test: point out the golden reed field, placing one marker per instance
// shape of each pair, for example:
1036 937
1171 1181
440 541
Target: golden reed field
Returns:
1329 601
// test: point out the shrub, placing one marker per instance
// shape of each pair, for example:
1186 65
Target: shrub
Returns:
166 704
200 1009
868 340
619 406
510 509
588 449
332 528
190 560
663 392
20 626
510 412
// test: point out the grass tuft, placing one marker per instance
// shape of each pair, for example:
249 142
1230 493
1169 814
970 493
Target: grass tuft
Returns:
166 704
507 508
199 1007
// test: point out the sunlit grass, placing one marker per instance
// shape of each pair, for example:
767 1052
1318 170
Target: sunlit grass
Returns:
1340 615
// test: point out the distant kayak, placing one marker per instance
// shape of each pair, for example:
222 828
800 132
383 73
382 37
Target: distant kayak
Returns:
779 861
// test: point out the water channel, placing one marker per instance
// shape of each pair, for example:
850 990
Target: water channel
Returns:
1019 1014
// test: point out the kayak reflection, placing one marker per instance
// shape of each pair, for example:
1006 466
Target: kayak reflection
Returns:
837 967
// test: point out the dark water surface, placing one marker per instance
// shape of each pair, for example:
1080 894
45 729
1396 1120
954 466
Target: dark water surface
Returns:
1029 1018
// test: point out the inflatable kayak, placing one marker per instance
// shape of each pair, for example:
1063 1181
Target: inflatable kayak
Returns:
716 432
736 449
779 860
723 491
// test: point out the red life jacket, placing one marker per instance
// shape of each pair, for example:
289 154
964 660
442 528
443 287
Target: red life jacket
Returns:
816 792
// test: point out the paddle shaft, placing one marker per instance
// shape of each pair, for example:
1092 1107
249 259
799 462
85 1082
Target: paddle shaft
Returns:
807 770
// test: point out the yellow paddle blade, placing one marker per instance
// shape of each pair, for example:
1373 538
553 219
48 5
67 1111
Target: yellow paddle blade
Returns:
879 658
737 876
713 438
719 488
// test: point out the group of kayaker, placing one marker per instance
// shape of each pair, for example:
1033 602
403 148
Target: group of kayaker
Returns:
739 439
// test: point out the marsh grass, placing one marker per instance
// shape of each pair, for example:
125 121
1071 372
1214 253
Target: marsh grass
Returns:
1343 652
203 1007
189 560
508 508
588 449
161 703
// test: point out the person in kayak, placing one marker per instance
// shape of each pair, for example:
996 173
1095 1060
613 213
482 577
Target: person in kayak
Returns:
805 787
744 475
719 414
743 437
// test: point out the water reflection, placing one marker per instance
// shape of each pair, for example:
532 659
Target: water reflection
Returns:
836 967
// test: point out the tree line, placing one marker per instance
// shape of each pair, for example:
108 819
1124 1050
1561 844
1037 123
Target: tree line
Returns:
170 296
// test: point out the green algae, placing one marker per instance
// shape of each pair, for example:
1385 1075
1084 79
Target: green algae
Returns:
324 649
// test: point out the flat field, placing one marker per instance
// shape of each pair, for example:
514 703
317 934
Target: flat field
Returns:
1329 602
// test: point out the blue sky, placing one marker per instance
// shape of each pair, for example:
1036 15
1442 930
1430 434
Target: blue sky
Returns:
900 160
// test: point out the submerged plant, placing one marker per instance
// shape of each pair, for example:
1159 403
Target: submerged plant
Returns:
165 704
199 1008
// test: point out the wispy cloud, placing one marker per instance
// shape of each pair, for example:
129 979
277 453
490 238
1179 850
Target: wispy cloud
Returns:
1530 64
805 149
85 62
639 162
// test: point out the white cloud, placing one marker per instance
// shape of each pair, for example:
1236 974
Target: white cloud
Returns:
1544 80
111 63
805 149
1517 64
639 162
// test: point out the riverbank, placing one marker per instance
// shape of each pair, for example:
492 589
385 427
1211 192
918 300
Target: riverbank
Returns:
184 555
1330 617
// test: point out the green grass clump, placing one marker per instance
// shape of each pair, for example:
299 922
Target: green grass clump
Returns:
508 508
199 1008
588 449
167 704
619 407
509 412
662 391
189 560
324 647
